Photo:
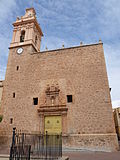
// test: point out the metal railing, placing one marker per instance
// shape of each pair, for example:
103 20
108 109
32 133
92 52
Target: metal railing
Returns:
35 146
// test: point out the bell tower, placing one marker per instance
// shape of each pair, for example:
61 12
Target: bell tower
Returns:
27 31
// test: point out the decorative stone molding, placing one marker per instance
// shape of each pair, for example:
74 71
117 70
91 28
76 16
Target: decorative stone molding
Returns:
53 101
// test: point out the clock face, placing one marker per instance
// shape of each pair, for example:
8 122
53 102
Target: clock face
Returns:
19 50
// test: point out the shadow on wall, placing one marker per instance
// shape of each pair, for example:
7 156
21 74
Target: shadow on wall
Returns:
1 118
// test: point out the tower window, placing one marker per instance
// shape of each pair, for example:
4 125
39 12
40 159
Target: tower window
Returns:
11 120
22 37
69 98
36 40
35 101
13 94
17 68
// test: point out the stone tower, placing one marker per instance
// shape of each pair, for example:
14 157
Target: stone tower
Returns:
64 90
27 32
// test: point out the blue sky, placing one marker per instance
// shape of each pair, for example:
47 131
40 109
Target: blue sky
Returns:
68 22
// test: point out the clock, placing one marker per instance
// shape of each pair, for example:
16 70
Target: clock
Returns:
19 50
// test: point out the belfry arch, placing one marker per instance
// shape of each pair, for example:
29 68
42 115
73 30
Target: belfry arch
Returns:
22 36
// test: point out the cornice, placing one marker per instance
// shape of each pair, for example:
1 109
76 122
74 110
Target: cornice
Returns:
22 22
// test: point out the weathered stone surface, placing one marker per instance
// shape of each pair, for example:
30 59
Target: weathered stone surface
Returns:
116 113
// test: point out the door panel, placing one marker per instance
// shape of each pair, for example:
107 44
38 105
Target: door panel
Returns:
53 124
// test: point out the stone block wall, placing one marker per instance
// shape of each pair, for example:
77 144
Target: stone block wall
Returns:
78 71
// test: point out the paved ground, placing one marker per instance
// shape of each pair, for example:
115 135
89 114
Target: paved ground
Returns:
83 155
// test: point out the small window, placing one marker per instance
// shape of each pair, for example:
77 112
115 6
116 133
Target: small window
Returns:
13 94
11 120
22 37
35 101
69 98
36 40
17 68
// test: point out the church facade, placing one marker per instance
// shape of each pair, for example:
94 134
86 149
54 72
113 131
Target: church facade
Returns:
64 90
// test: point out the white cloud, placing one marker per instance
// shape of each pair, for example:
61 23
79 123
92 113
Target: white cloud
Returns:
6 7
2 72
52 43
7 10
112 56
115 104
